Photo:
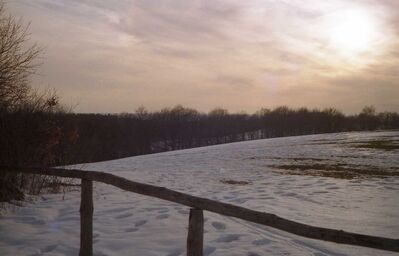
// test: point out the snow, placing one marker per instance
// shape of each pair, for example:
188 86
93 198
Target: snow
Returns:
127 223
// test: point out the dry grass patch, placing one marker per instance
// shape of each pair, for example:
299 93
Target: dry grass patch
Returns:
386 145
339 171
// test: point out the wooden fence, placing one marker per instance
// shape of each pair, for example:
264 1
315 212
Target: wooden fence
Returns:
196 219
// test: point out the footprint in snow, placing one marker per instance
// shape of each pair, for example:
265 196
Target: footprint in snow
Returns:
49 248
163 210
209 250
240 200
267 197
320 192
175 252
29 219
124 215
119 209
253 254
152 209
289 194
218 225
228 238
261 242
162 216
131 229
140 223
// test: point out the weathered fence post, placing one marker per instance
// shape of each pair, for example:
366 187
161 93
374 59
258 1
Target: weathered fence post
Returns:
195 236
86 218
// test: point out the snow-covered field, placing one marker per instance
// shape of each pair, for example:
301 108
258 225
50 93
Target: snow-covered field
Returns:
130 224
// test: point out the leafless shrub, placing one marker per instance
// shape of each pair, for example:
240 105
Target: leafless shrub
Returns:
29 132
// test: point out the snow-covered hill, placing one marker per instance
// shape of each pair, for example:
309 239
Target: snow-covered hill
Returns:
130 224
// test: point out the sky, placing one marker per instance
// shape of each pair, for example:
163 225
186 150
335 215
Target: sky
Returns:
109 56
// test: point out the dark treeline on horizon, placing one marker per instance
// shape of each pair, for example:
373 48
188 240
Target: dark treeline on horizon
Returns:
98 137
42 133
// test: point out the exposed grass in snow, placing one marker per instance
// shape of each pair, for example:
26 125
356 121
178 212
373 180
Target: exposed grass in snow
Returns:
339 171
387 145
289 158
332 168
382 143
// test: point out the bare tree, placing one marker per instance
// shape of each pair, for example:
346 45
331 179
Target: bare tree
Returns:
17 60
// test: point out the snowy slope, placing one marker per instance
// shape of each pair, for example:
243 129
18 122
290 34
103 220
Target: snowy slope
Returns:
130 224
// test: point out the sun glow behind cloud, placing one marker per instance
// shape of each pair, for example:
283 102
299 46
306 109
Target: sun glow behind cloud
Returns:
354 33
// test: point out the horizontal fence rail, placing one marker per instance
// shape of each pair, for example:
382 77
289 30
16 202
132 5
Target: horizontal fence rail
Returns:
199 204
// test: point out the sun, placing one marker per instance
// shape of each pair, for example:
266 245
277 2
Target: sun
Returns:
352 32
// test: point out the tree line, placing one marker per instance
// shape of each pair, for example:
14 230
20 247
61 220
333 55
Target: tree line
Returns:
98 137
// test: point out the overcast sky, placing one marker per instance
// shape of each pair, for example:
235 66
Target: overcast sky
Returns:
114 56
